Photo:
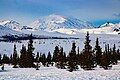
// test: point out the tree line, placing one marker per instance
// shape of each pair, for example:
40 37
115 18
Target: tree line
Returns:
88 58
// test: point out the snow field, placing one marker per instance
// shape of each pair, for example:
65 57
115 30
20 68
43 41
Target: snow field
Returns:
53 73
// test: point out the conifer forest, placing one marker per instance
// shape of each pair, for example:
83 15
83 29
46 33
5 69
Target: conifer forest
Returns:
89 58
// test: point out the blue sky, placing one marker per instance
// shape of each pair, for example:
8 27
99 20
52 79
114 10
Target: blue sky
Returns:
94 11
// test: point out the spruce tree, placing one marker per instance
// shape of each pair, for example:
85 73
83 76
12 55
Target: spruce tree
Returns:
5 59
30 54
15 57
61 63
72 60
23 57
37 61
98 52
65 58
11 59
43 60
49 58
118 53
37 57
105 59
55 54
78 56
114 55
110 55
40 57
87 55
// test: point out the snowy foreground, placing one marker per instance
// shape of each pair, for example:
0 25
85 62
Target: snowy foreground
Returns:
52 73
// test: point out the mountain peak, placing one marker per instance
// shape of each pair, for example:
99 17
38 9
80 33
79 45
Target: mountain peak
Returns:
55 18
53 22
3 22
11 24
107 24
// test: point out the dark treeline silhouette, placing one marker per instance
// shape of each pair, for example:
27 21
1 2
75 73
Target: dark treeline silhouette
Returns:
13 38
87 59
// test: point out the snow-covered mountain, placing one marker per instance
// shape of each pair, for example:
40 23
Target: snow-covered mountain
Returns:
4 30
11 24
56 26
106 24
107 28
110 27
53 22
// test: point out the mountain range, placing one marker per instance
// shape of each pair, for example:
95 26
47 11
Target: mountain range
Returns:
56 26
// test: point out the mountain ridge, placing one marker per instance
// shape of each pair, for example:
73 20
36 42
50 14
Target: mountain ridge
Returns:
58 25
53 22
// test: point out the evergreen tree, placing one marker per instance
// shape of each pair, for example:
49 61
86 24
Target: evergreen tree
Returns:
105 59
87 57
78 50
65 58
114 55
118 53
23 57
11 58
37 57
55 54
43 60
110 55
49 58
105 62
98 52
15 57
40 57
108 48
78 56
37 61
30 54
5 59
109 52
72 61
61 61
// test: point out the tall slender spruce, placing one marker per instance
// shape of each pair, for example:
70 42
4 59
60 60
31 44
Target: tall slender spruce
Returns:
98 52
72 59
87 56
15 57
30 54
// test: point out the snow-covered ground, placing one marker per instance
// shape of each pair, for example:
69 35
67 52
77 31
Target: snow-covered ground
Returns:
46 45
53 73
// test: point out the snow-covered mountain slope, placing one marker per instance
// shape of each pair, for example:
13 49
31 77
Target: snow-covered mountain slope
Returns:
56 26
68 31
111 27
11 24
46 33
53 22
8 31
106 24
107 28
